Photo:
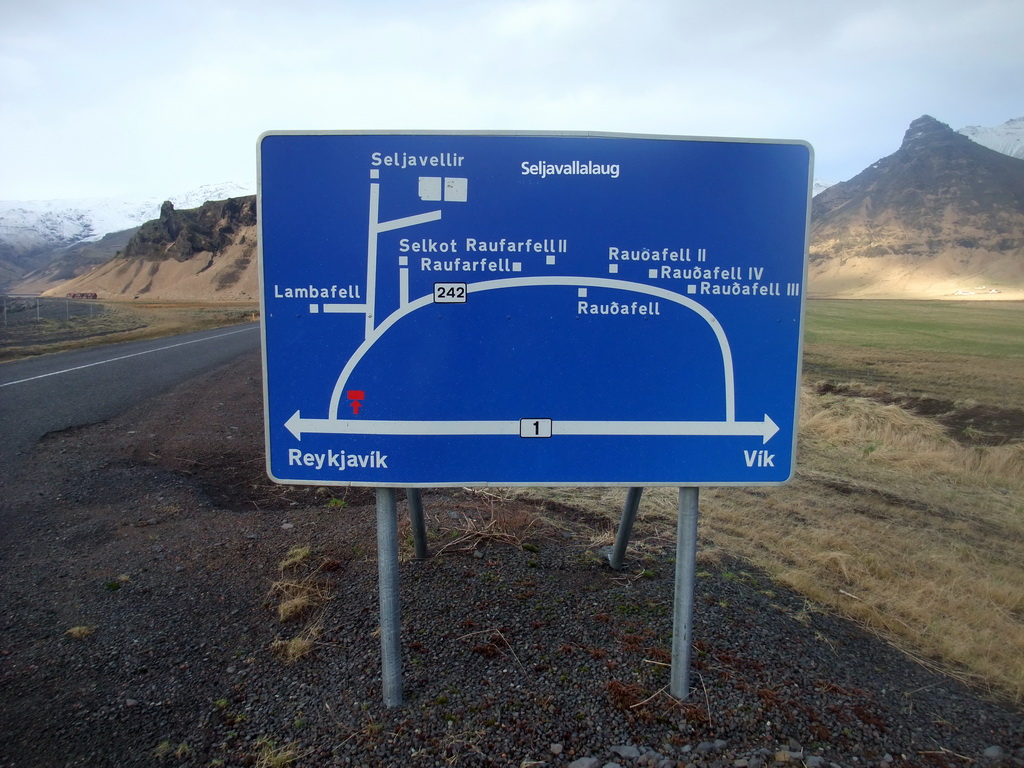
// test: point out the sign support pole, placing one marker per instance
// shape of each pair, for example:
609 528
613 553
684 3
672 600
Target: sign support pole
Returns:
682 611
629 511
390 621
419 527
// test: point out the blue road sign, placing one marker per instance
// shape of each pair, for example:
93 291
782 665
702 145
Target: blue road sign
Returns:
531 309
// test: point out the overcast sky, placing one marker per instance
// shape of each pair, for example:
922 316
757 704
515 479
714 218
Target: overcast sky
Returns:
110 97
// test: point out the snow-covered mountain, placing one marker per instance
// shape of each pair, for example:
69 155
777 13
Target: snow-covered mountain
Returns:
1007 138
27 225
820 186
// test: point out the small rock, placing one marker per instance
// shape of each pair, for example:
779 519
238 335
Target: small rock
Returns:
993 751
629 752
741 763
287 526
720 744
556 749
131 703
782 756
585 762
815 761
612 765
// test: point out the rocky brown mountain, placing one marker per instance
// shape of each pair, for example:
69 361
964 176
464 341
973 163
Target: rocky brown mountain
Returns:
941 216
201 254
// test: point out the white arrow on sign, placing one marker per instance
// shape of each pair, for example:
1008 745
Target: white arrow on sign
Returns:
299 426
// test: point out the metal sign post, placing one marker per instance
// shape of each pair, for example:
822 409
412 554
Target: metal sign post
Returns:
419 526
390 612
629 510
682 607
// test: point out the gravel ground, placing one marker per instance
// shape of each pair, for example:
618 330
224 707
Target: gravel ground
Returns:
158 533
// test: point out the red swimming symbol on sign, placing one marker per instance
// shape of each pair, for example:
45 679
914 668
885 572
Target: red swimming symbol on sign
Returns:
356 396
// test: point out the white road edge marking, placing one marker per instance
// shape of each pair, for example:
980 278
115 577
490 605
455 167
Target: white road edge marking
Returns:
125 357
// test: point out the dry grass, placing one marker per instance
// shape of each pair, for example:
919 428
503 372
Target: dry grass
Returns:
297 599
295 557
493 518
80 632
625 695
889 522
296 648
300 599
272 755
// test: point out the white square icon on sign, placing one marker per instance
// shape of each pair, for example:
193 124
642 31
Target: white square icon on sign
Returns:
456 190
430 187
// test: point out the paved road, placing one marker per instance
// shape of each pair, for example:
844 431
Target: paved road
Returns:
53 392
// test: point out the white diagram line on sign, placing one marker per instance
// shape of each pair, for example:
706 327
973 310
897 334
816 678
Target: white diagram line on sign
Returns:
374 227
764 429
529 282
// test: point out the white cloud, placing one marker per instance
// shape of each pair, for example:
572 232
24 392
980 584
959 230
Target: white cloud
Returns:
113 96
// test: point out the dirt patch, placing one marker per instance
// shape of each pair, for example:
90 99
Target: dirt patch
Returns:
968 424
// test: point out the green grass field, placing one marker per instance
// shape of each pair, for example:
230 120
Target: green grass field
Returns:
949 350
981 329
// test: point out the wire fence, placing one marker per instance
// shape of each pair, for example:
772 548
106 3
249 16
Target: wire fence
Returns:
19 311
